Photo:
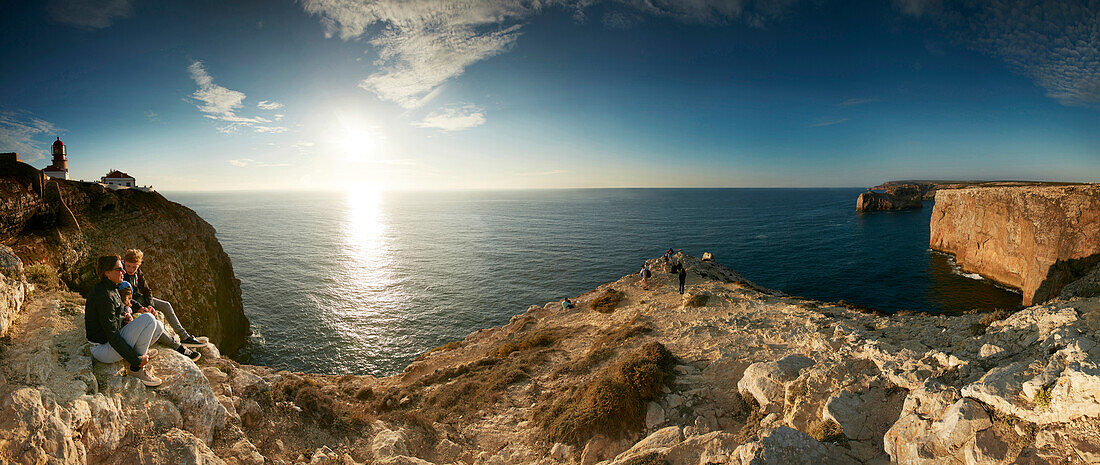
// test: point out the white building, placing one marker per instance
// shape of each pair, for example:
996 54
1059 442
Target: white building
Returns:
118 180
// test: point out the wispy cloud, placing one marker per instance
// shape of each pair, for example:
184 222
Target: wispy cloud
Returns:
422 44
19 132
221 104
454 118
1055 44
543 173
246 162
268 105
153 116
855 101
89 14
828 123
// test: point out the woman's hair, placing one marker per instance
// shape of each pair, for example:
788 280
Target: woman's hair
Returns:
133 256
105 264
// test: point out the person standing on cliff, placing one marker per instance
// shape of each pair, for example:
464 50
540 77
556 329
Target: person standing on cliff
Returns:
680 273
645 276
131 261
105 325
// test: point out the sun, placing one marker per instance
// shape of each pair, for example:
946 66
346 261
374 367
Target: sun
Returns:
360 143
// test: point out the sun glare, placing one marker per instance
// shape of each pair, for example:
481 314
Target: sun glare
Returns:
360 142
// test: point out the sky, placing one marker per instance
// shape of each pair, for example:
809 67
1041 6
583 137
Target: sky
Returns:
513 94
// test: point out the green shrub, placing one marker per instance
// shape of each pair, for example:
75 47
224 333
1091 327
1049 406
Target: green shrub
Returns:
1042 396
607 301
41 275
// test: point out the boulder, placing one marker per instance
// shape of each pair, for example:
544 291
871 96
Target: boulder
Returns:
767 381
788 446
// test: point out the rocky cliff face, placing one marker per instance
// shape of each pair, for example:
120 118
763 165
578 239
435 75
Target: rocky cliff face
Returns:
729 373
1037 239
902 197
67 224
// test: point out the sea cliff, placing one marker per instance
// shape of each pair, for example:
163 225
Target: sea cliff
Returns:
727 373
1037 239
67 224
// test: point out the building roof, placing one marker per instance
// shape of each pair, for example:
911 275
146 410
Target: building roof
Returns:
58 143
116 174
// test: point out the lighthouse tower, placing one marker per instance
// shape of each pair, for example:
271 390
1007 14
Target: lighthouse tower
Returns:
59 169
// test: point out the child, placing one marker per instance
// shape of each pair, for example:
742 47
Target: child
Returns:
126 292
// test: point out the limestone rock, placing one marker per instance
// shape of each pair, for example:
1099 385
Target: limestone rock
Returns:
39 435
10 264
175 447
388 443
788 446
766 381
903 197
713 447
1037 239
189 390
654 415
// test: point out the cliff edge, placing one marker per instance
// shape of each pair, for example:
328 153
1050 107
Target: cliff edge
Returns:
67 224
1037 239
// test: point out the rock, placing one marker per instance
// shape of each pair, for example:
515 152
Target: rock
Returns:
251 414
600 448
245 383
654 415
961 422
189 390
322 455
767 381
388 443
903 197
986 449
864 415
177 447
788 446
447 451
164 415
561 452
246 453
714 447
214 375
39 434
674 401
990 350
10 264
404 460
1086 286
1037 239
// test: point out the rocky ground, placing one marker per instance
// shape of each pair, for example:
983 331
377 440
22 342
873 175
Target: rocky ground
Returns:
728 373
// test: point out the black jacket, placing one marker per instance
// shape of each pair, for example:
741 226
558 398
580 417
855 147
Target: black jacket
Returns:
142 294
103 319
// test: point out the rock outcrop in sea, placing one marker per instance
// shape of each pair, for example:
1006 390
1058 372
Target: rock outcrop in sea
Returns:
67 224
901 197
1038 239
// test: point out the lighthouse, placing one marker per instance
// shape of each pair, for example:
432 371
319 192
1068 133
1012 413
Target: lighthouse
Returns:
59 169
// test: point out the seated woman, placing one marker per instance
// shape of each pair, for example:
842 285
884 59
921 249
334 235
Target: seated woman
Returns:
131 261
117 336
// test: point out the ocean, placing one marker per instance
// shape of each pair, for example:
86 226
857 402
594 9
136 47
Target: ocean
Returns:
362 282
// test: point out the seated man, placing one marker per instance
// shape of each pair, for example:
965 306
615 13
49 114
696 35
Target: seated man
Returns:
143 297
106 325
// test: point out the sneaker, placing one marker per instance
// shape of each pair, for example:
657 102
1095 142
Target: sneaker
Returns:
145 377
191 354
151 353
193 341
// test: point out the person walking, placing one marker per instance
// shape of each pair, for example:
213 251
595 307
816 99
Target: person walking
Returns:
645 276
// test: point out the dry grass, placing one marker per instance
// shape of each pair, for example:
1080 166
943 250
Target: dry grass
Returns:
603 348
652 458
698 300
979 328
41 275
319 403
826 431
607 301
613 401
542 338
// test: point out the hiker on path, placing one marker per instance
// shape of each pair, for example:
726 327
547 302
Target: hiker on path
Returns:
645 276
131 261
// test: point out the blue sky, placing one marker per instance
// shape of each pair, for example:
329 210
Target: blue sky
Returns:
434 94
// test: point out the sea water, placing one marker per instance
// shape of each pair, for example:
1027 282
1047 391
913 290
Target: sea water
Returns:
362 282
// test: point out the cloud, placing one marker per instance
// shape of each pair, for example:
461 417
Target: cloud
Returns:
221 104
856 101
1055 44
19 132
153 116
543 173
89 14
828 123
268 105
246 162
621 20
454 118
421 44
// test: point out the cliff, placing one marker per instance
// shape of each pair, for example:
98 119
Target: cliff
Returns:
729 373
901 197
1036 239
67 224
